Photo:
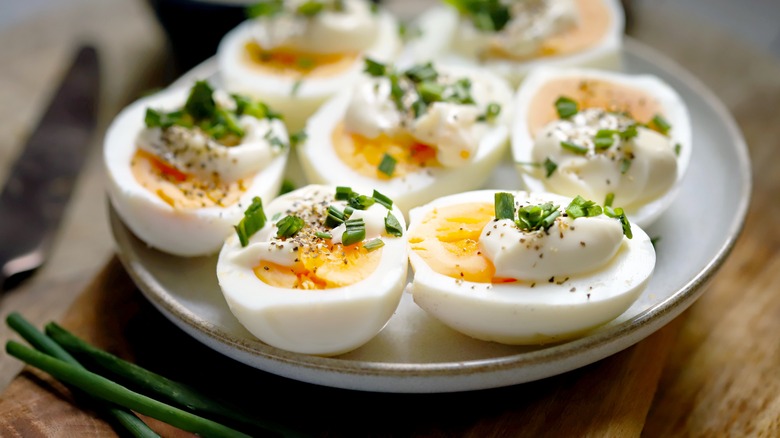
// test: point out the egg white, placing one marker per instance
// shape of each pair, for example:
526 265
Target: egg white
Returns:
181 232
320 322
439 23
519 313
296 100
321 164
672 106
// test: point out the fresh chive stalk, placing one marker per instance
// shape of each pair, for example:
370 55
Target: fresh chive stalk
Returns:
609 199
102 388
153 384
574 147
566 107
288 226
504 205
253 220
373 244
124 417
361 202
387 165
355 231
383 200
343 193
580 207
393 226
335 217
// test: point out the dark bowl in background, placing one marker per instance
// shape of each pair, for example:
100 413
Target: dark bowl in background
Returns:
194 28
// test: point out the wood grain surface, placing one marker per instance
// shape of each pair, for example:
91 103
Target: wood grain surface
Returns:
714 371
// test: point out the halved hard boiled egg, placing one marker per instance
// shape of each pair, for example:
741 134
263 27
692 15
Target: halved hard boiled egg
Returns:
525 268
185 163
319 270
511 38
296 54
602 135
413 134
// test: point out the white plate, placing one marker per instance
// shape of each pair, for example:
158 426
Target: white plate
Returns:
414 353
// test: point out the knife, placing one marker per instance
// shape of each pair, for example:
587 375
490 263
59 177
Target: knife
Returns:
37 191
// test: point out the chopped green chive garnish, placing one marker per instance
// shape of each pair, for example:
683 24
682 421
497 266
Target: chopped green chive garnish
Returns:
504 205
387 165
536 217
373 244
422 73
573 147
374 68
629 133
625 164
677 149
430 91
618 213
609 199
348 212
491 112
296 87
310 8
486 15
383 200
288 226
655 240
335 217
361 202
566 107
201 111
549 167
266 8
305 63
392 226
418 87
604 139
200 103
287 187
580 207
660 124
343 193
253 220
355 231
298 138
323 235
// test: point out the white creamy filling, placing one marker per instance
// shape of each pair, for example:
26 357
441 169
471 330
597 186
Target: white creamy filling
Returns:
451 128
569 247
532 22
652 170
265 246
193 152
353 29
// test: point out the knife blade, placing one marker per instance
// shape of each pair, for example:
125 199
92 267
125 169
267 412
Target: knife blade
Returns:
41 180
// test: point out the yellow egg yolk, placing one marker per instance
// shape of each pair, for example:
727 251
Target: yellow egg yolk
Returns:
448 240
592 24
181 190
590 93
365 154
298 64
322 267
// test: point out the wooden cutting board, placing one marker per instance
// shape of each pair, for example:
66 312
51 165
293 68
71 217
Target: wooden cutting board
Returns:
610 397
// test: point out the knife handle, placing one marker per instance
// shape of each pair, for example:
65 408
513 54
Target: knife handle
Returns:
42 178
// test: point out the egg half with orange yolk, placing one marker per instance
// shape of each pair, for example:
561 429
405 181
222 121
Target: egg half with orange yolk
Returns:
442 131
321 289
561 33
494 280
178 188
296 60
624 135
